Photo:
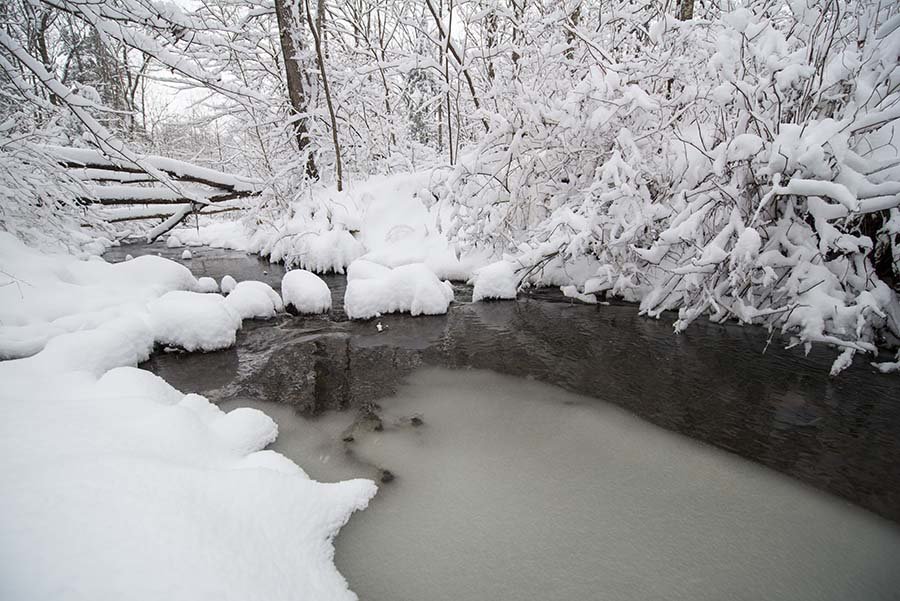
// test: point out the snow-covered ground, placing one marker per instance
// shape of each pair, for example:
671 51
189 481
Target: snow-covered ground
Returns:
116 485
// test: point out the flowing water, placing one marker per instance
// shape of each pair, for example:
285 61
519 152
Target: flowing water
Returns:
544 449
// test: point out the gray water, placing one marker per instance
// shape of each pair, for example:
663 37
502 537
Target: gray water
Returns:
543 483
509 489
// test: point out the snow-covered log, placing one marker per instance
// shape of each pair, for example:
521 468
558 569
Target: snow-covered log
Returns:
93 164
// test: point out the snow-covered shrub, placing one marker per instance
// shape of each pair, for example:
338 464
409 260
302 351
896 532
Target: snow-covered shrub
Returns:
736 166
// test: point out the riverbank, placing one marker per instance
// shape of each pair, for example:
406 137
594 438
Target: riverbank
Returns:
724 385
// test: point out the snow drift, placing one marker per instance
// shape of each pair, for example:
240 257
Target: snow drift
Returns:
116 485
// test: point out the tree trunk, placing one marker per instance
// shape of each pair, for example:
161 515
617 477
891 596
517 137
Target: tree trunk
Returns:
686 12
320 55
296 94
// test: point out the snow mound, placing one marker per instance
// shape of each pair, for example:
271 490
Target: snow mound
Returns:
186 255
254 299
497 280
228 284
194 321
373 290
207 284
305 292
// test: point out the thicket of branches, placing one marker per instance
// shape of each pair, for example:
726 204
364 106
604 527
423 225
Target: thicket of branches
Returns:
734 160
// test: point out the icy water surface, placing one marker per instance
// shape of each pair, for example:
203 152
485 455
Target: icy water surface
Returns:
503 487
509 489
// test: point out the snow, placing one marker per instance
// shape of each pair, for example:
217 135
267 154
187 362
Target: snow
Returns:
373 290
383 219
207 284
218 234
45 295
186 255
194 321
252 299
571 291
305 292
228 284
495 281
118 486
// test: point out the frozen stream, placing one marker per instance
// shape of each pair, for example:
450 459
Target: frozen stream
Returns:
511 489
542 483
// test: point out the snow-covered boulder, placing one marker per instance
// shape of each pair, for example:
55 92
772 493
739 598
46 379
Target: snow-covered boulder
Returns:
206 284
305 292
497 280
186 255
193 321
254 299
228 284
373 291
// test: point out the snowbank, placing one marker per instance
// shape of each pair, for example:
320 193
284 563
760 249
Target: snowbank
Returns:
305 292
384 218
497 280
45 295
254 299
218 234
373 290
116 485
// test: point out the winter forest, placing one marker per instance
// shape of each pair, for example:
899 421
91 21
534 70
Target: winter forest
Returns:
695 202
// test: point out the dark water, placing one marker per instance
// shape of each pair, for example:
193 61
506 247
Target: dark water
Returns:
712 383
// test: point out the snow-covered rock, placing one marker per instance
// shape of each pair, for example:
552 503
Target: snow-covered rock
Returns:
572 292
187 255
228 284
194 321
373 290
207 284
305 292
128 257
254 299
497 280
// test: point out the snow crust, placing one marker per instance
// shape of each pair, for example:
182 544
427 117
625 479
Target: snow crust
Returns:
305 292
251 299
497 280
374 290
118 486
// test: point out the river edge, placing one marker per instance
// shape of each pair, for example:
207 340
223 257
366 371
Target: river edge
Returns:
711 383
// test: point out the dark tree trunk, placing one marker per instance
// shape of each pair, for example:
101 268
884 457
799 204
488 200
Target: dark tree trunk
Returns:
299 102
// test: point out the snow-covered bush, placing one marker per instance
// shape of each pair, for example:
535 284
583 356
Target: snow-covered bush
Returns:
738 166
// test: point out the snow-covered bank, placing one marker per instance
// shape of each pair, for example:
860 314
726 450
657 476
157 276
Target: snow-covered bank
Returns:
388 220
116 485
